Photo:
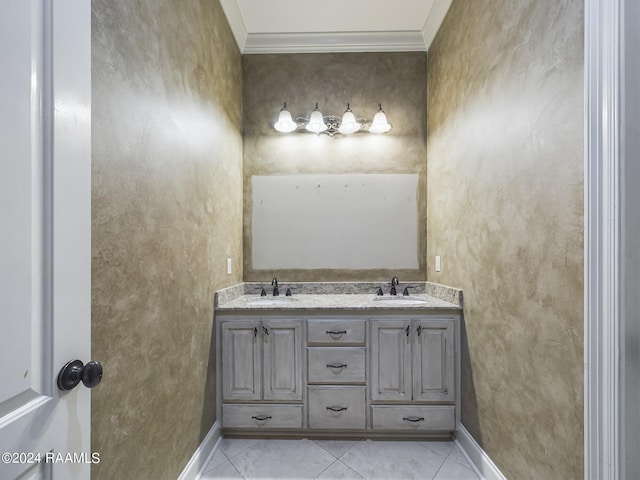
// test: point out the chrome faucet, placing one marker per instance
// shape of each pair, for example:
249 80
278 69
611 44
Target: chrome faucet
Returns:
394 282
274 282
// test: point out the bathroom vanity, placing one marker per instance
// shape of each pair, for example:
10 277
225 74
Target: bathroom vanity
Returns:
335 364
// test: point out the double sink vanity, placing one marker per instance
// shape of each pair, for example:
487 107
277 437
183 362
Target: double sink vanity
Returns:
336 359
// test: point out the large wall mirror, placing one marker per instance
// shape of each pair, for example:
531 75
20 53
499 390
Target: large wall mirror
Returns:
335 221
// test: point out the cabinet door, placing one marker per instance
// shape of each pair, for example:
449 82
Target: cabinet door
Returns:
241 376
390 360
433 361
282 345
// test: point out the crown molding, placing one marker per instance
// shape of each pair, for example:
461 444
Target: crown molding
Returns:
323 42
435 17
236 22
334 42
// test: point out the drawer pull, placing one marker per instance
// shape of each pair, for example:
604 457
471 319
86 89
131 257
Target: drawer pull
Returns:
336 332
413 419
261 418
337 409
337 365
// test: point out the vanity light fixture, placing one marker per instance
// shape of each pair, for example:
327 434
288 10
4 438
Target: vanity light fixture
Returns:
285 123
316 122
330 124
380 124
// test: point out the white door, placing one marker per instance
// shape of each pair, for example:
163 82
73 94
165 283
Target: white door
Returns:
45 235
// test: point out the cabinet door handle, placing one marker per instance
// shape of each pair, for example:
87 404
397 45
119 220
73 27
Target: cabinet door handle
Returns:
255 332
413 419
337 409
407 330
334 332
336 365
265 330
261 418
419 329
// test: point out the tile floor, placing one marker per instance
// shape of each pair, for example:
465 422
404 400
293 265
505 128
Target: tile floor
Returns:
337 459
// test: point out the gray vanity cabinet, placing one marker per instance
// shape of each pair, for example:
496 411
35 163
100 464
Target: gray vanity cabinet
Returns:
262 360
434 361
282 359
371 373
391 361
337 373
413 374
412 360
241 361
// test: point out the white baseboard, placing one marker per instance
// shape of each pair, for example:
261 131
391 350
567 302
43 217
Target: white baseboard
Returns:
480 461
201 456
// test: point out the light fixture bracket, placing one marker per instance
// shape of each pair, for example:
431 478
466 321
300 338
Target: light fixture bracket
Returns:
332 122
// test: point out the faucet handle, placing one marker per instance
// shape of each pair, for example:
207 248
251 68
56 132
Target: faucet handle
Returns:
263 292
379 292
405 292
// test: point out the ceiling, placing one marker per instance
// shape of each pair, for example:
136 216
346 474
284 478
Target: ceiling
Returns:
295 26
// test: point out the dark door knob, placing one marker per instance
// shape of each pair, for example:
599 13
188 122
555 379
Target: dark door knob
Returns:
75 372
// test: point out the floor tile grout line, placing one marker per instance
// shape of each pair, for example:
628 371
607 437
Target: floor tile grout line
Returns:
328 466
337 457
347 451
210 465
443 462
330 453
241 451
233 464
464 461
230 462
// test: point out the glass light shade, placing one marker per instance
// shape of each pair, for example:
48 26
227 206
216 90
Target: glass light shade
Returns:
379 124
285 123
316 122
349 124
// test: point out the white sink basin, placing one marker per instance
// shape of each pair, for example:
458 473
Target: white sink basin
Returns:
271 301
399 301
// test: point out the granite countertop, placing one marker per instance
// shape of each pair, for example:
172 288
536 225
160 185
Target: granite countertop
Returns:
338 296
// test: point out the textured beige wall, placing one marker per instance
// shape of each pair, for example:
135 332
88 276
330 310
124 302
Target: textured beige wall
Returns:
505 212
397 80
167 211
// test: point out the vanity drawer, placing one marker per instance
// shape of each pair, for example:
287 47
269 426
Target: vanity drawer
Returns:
261 416
336 332
337 407
432 417
336 365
